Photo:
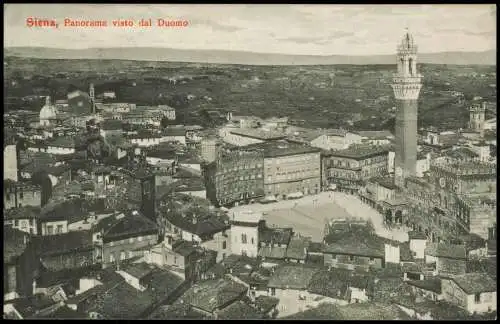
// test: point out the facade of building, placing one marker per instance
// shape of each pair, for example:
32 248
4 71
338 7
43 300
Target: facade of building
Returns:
290 170
245 233
209 149
235 177
10 167
349 169
123 236
477 116
19 194
407 83
474 292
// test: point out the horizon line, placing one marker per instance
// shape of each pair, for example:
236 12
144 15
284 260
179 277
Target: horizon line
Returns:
241 51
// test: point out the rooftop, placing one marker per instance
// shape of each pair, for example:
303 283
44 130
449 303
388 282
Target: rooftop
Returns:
131 223
358 151
361 311
64 243
385 182
376 135
475 283
297 248
292 276
240 311
258 134
282 148
174 312
446 250
211 295
431 284
335 283
64 142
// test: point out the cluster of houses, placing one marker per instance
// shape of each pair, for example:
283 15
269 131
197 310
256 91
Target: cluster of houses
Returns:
207 263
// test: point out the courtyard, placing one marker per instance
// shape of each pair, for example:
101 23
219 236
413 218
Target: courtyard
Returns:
310 214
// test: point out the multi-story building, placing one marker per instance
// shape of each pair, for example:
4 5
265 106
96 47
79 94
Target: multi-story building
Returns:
245 233
209 148
123 236
10 157
201 227
456 197
290 169
350 168
236 176
18 194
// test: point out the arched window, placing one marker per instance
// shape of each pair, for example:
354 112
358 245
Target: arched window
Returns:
410 65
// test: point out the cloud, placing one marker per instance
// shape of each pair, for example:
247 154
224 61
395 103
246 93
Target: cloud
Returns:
216 26
292 29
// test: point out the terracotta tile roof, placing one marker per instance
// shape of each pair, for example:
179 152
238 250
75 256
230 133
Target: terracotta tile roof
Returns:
266 303
64 243
131 223
475 283
211 295
446 250
240 311
25 212
361 311
275 252
292 277
297 248
173 312
65 142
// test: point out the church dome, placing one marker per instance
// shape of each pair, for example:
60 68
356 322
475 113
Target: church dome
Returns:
48 111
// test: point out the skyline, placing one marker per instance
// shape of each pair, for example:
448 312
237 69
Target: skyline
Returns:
279 29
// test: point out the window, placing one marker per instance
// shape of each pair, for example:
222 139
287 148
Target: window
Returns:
50 229
477 298
16 222
244 238
253 241
351 258
7 197
122 255
21 195
273 291
224 245
112 258
59 229
372 260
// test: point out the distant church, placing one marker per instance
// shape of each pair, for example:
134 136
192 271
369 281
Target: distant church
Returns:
78 102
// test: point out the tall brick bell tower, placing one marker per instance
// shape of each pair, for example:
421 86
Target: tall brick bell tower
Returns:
407 83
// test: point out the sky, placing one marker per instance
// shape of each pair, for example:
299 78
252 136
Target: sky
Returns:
284 29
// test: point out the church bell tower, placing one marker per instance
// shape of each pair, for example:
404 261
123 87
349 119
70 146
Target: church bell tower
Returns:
406 85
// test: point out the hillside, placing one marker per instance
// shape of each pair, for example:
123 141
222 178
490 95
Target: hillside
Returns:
239 57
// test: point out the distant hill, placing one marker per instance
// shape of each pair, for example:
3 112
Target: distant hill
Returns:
240 57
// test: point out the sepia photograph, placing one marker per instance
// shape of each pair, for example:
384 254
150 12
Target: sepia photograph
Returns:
250 161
